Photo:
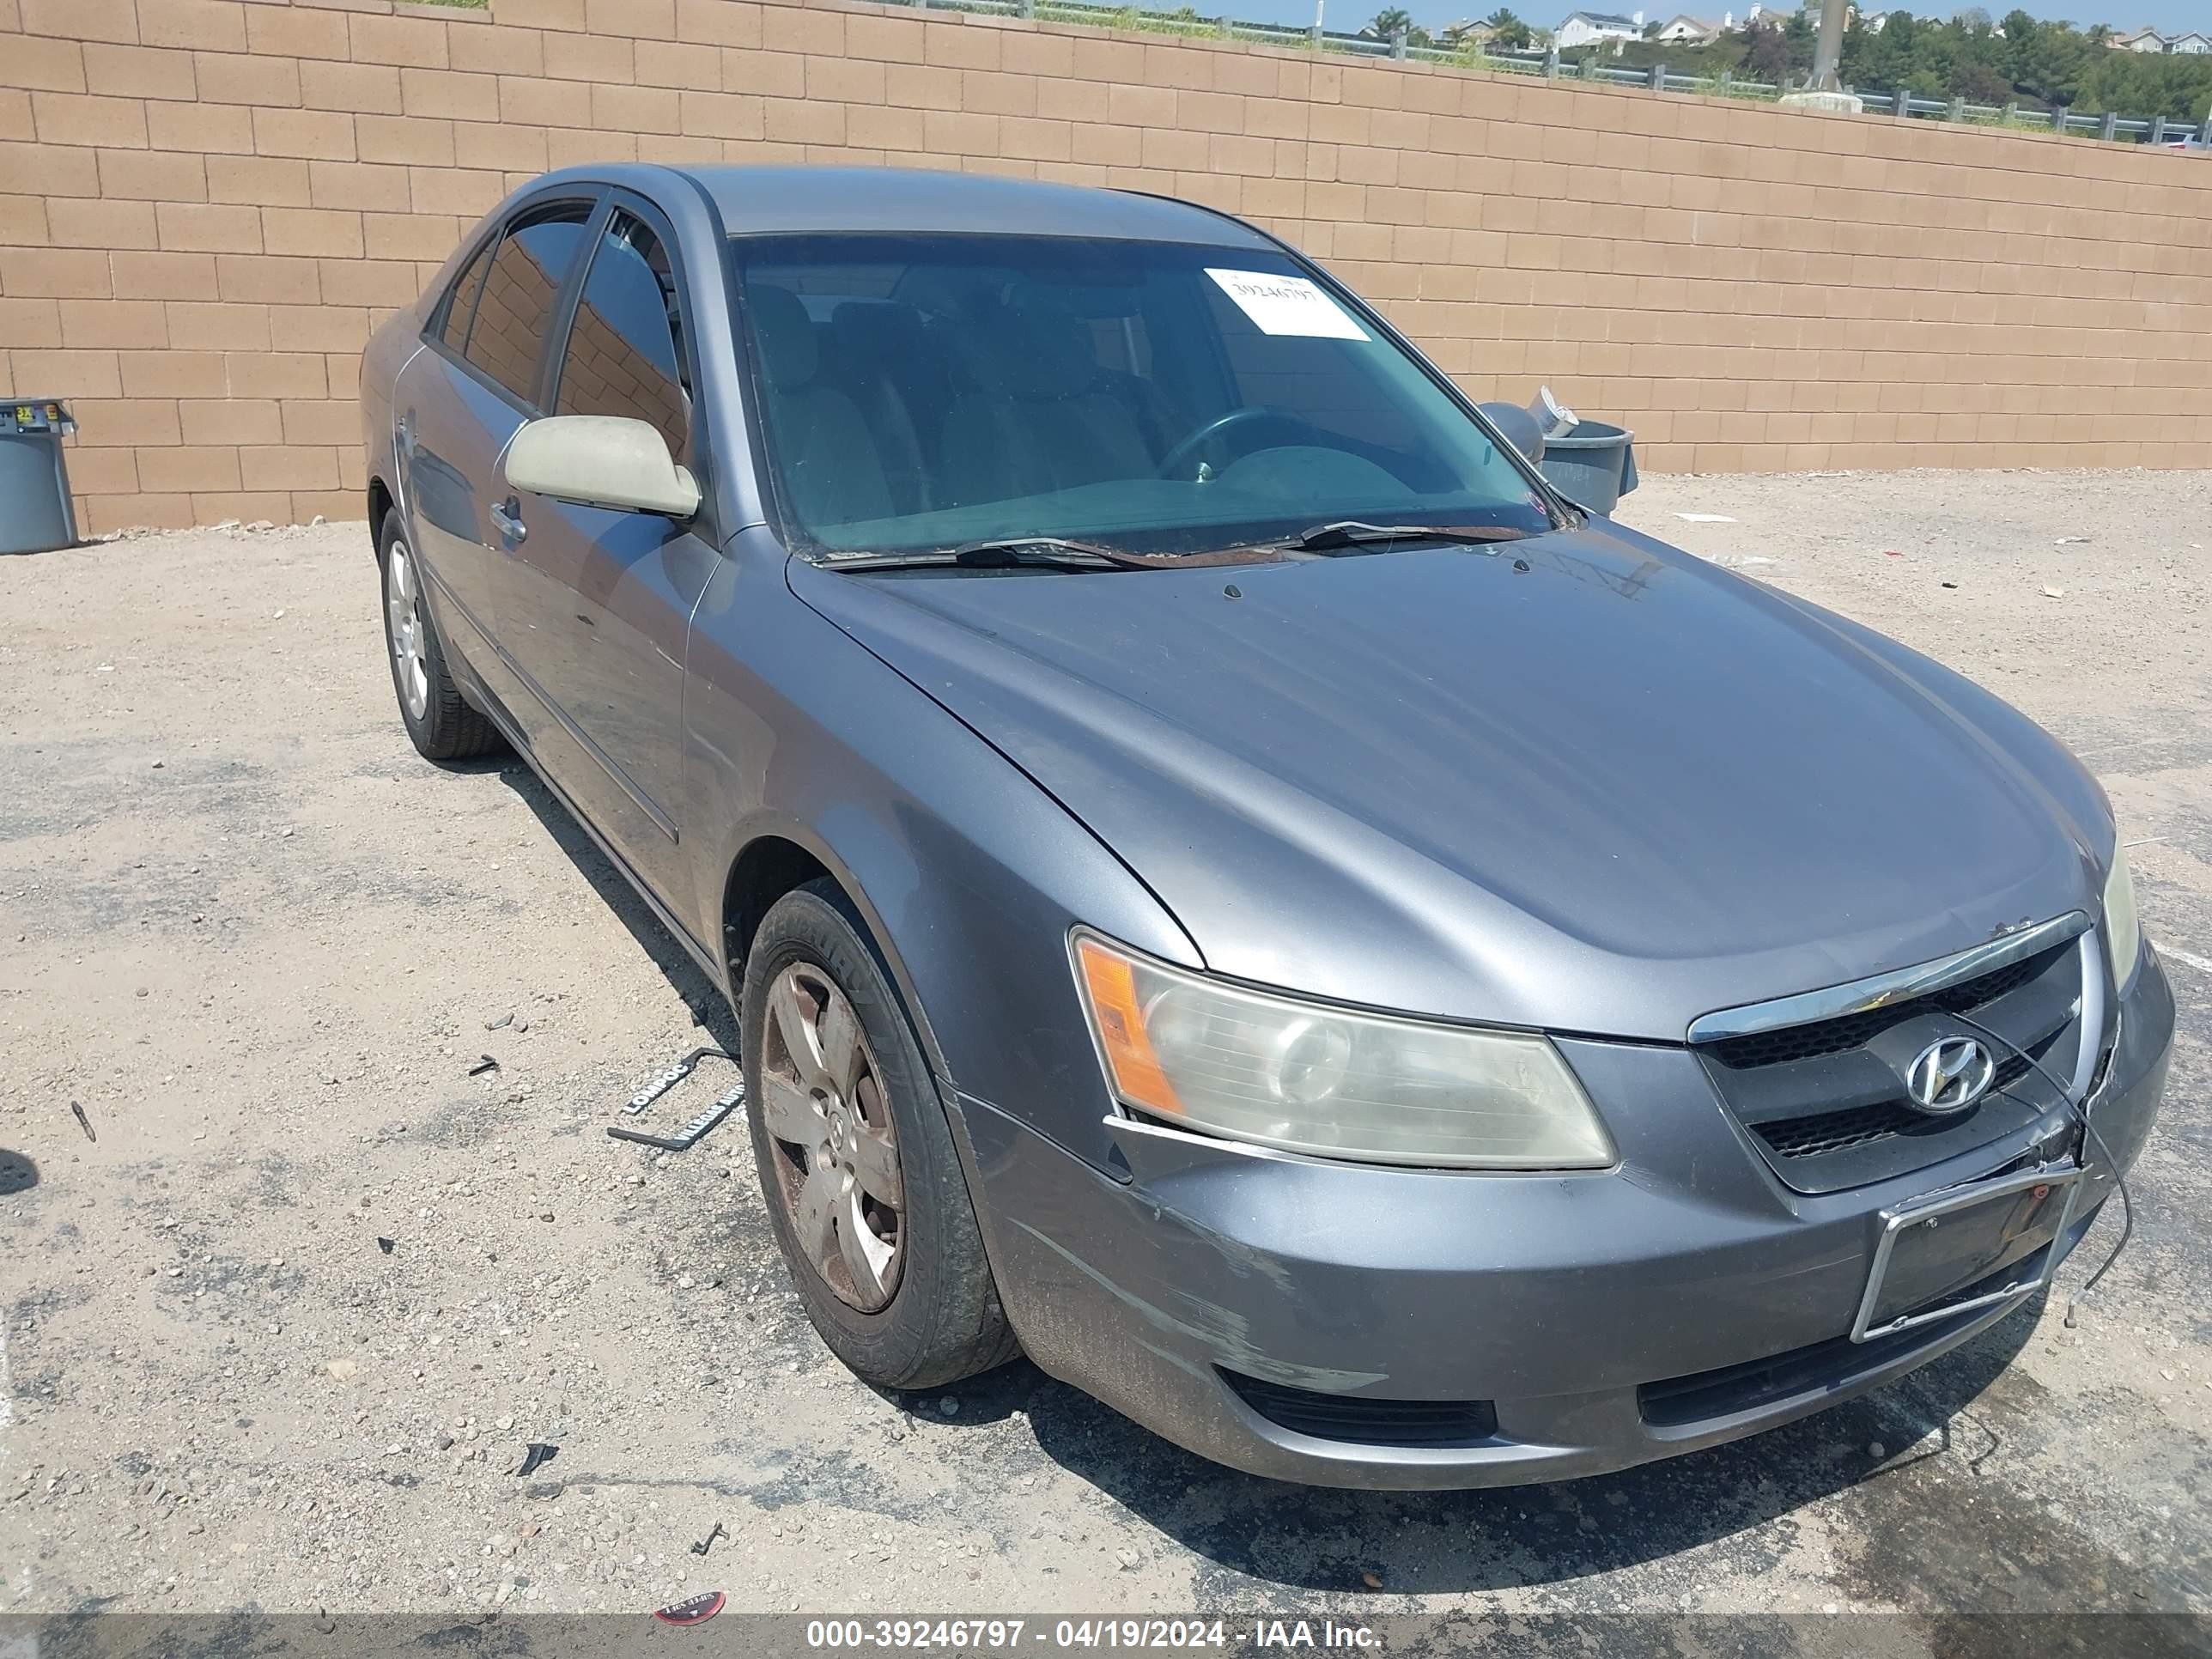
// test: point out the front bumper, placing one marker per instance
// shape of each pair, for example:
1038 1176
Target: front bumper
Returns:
1682 1299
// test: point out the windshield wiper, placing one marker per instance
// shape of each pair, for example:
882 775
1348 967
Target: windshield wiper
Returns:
1058 550
1046 552
1348 534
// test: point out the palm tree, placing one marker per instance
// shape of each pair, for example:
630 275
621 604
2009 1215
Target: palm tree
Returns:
1508 33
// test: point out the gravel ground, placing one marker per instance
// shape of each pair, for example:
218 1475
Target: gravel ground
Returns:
262 945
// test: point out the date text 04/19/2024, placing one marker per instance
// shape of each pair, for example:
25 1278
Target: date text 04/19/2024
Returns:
1158 1635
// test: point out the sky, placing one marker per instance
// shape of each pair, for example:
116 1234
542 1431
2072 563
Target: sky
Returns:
2167 16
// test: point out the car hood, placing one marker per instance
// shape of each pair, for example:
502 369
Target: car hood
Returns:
1586 782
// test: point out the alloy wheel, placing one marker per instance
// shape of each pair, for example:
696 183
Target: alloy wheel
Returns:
402 605
837 1162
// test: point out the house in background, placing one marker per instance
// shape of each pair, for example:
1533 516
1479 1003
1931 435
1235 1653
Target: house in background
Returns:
1468 32
2192 45
1584 29
1691 30
2141 41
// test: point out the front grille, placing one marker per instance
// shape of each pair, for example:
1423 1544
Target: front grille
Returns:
1363 1420
1861 1126
1831 1131
1824 1103
1846 1032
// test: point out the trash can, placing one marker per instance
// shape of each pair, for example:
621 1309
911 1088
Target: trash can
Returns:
1592 462
35 514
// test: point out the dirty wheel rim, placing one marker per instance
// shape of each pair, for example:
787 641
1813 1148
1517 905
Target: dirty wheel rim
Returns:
402 605
837 1159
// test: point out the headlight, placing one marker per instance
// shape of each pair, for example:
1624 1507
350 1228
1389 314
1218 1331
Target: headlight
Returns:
2123 930
1308 1077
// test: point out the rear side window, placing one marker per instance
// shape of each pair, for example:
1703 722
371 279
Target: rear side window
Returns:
625 353
516 308
461 301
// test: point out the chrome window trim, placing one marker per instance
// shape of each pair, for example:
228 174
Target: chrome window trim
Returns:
1879 990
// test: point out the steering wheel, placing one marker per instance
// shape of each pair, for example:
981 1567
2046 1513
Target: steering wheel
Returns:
1178 458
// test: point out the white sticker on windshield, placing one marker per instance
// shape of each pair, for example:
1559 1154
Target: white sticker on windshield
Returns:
1288 305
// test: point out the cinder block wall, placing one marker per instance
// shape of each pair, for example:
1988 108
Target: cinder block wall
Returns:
206 204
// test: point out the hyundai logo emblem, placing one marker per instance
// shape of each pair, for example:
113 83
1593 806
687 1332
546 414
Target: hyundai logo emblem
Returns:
1949 1076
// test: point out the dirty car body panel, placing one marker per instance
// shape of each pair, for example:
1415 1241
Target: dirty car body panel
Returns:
1574 788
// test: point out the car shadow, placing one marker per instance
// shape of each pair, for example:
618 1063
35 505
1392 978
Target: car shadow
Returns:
1331 1540
700 994
17 1173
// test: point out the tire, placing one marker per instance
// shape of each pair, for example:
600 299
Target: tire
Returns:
438 720
932 1316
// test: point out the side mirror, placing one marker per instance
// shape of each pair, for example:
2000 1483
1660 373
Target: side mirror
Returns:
1518 426
601 460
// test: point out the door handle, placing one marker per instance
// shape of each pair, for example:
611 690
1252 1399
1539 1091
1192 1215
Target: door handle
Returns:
507 519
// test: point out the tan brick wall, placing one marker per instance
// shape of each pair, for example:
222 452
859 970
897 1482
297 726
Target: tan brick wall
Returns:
513 314
206 205
604 374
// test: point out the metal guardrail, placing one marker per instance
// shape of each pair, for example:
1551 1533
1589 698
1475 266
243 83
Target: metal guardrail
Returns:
1549 65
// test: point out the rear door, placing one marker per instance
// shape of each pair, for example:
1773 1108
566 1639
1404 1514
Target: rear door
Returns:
459 402
598 602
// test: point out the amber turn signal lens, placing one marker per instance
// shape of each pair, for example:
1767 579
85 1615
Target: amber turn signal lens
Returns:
1138 1078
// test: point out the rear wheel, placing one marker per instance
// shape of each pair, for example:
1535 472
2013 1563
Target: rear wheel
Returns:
864 1187
438 718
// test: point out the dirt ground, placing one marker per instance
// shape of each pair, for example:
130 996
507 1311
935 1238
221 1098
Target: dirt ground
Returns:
263 947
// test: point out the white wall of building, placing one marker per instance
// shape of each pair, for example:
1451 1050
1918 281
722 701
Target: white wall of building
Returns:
1579 31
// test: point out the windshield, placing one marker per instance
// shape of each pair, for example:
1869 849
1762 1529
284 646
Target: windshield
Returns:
920 391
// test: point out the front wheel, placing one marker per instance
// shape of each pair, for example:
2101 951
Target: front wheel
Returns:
439 720
857 1164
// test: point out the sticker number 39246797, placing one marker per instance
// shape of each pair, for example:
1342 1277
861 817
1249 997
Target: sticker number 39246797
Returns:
1288 305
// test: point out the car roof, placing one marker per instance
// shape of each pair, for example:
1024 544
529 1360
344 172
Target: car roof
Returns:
754 199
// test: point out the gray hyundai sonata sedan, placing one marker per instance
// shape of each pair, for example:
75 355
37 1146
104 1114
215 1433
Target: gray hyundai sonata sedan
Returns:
1231 885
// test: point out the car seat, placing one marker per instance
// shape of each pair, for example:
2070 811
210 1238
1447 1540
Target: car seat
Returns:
828 462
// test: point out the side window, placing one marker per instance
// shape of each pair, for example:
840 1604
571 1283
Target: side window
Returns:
625 353
518 292
461 300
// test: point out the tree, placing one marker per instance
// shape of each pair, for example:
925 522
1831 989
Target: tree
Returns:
1981 83
1766 54
2035 65
1389 23
2176 86
1507 31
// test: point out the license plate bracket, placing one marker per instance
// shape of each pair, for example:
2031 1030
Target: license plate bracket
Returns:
1930 1248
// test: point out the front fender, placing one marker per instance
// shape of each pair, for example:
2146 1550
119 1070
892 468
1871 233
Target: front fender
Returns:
968 874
